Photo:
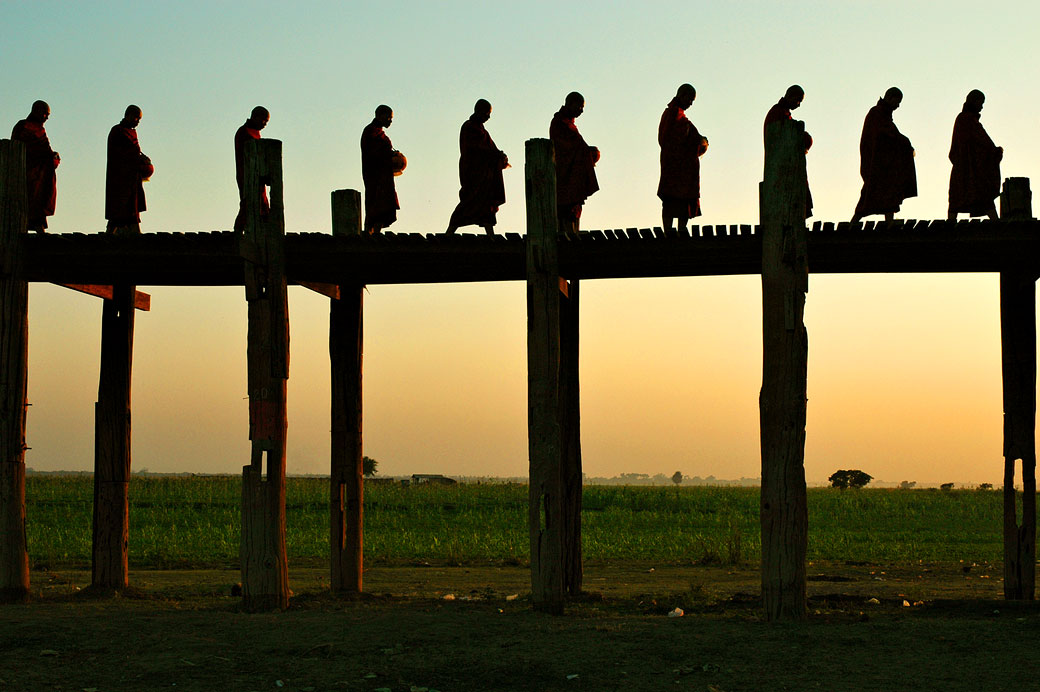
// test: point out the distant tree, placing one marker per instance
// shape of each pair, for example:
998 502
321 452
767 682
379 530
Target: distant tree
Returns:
677 477
985 486
906 485
946 486
368 466
853 478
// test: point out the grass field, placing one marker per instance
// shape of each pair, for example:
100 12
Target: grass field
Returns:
194 522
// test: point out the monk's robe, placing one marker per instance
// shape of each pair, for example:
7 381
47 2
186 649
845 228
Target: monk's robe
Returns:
886 164
575 167
377 170
40 179
975 178
780 112
481 189
243 134
681 147
124 178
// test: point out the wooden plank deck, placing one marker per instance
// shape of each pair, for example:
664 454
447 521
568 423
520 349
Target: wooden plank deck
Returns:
215 259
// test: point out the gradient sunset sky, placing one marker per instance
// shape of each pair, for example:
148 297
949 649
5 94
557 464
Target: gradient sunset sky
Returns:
904 370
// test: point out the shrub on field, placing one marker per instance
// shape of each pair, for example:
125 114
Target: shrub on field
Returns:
677 477
368 466
852 478
946 486
907 485
985 486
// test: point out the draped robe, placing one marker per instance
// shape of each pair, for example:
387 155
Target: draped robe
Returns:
124 178
575 166
40 178
377 170
975 178
886 164
680 184
481 190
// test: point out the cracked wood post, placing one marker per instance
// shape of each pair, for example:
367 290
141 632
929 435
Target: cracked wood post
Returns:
784 514
112 442
570 431
544 436
1018 367
14 332
346 341
265 573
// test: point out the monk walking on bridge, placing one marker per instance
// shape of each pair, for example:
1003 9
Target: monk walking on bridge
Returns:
886 161
257 121
681 148
975 178
781 111
127 170
377 169
40 164
481 163
575 163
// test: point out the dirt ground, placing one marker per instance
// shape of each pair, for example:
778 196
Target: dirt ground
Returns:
899 627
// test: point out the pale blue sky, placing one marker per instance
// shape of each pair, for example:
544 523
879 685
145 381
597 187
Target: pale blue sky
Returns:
904 371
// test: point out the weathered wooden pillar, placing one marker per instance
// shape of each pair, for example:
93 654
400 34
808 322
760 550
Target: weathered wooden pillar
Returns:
14 333
112 442
570 432
784 513
1018 366
554 444
265 573
346 341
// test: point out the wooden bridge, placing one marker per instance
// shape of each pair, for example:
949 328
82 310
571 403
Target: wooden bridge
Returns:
218 259
265 259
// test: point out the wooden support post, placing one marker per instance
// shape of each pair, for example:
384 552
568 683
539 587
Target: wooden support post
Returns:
1018 366
570 433
544 436
112 443
265 571
346 341
14 333
784 513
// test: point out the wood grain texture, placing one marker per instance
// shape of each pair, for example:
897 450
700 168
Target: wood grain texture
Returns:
784 512
112 435
1018 368
265 574
14 334
543 379
346 347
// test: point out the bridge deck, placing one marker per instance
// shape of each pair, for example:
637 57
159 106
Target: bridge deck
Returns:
216 259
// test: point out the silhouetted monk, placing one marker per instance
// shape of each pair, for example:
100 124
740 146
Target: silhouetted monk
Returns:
681 148
127 170
886 161
40 164
250 130
782 111
975 178
575 163
481 163
377 169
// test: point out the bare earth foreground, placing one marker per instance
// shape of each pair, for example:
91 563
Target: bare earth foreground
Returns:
932 627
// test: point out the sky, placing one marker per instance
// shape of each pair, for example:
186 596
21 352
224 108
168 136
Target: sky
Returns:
904 370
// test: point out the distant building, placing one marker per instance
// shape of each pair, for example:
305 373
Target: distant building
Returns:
432 478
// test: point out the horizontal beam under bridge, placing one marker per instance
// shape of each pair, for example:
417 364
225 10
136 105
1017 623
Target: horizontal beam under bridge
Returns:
216 259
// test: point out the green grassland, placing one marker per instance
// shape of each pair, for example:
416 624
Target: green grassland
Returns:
194 522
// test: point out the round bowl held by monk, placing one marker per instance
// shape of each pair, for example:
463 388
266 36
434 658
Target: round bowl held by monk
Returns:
399 162
146 168
703 146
